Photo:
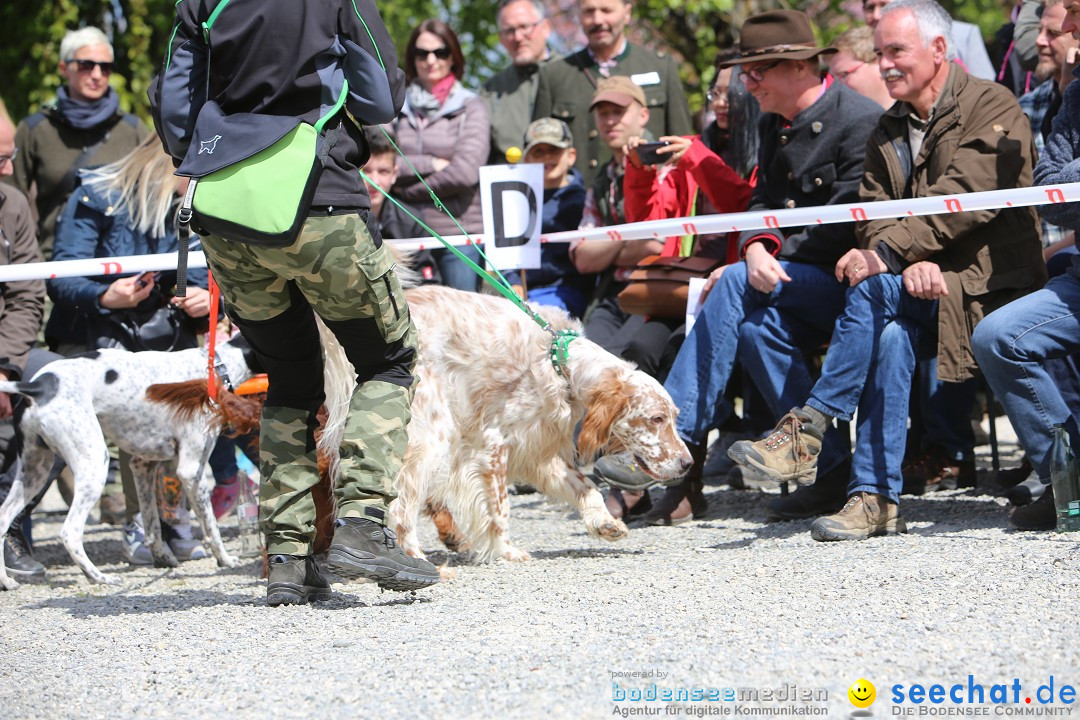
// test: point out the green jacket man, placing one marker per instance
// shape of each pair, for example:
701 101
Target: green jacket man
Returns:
566 86
511 93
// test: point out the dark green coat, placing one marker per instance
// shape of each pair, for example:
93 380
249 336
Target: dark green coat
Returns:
566 88
510 96
48 148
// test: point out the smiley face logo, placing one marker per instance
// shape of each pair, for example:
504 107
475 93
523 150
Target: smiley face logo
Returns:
862 693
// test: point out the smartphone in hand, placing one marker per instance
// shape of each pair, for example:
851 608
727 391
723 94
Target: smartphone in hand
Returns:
146 278
647 154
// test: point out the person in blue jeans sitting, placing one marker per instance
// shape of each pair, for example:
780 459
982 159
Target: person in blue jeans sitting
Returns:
918 283
781 301
1013 344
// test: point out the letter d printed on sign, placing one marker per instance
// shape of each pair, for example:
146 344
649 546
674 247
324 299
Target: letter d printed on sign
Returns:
511 197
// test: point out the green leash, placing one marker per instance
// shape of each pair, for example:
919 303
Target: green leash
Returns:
560 340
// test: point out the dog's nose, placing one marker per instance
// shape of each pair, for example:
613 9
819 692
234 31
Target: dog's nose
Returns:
687 462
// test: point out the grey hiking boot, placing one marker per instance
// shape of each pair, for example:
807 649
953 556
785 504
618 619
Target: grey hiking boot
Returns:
364 549
295 580
788 454
623 472
864 515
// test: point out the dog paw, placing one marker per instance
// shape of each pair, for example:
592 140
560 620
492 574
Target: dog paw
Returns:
228 561
8 584
513 554
108 580
612 530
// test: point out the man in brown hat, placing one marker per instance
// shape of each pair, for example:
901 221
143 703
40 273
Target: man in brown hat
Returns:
567 84
780 303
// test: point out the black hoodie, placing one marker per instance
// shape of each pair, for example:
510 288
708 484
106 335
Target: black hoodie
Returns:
277 57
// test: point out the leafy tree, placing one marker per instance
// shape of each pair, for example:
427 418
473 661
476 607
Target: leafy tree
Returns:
691 30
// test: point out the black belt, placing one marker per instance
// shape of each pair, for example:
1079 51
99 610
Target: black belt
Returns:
330 210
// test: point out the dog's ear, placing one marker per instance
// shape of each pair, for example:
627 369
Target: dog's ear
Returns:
240 414
608 402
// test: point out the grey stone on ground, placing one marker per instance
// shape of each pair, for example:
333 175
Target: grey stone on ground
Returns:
728 601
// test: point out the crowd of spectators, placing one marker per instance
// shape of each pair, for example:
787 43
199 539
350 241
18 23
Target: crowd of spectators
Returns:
811 326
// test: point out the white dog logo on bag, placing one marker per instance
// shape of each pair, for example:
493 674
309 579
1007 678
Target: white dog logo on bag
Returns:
208 146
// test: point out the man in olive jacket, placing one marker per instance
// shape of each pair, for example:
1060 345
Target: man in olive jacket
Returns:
85 128
918 283
21 304
511 93
567 85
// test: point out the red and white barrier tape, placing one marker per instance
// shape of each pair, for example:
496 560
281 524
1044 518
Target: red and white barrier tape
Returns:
700 225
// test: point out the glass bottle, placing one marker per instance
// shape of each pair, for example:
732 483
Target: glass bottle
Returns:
1065 479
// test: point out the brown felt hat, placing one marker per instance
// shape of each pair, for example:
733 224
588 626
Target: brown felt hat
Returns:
776 35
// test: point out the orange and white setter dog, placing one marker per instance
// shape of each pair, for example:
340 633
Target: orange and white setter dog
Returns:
491 408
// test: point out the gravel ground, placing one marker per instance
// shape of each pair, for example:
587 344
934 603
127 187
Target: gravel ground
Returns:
728 601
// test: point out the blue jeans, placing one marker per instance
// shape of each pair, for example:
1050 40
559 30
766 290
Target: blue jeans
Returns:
946 412
770 332
570 298
869 367
1011 345
454 272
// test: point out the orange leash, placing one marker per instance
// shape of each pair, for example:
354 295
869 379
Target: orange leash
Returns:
253 385
211 338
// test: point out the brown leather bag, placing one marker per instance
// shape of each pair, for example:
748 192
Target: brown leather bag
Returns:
659 285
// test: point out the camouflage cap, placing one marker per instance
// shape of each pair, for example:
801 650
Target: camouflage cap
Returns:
548 131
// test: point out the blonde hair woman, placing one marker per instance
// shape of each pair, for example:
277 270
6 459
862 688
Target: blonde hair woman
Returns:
123 208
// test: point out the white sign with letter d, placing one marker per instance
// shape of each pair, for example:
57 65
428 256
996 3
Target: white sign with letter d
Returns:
512 198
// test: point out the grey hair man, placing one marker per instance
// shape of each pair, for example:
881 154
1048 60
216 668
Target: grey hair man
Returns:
511 94
85 127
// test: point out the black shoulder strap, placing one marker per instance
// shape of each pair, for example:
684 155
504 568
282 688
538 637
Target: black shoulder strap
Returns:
34 120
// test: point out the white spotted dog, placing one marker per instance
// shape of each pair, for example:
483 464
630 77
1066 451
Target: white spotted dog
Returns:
75 404
490 407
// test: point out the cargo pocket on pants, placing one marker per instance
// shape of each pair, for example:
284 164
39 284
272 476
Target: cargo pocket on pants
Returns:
385 294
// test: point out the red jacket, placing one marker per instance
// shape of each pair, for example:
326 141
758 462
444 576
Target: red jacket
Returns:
670 193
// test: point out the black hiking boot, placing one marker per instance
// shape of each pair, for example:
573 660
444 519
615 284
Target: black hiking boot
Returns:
295 580
364 549
20 564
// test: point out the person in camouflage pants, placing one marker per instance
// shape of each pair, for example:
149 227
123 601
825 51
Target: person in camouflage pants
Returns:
339 269
285 59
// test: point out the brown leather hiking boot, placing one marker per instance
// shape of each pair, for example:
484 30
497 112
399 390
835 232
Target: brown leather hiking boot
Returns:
788 454
864 515
935 470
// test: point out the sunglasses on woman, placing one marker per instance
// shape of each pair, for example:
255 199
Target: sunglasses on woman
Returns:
89 65
442 53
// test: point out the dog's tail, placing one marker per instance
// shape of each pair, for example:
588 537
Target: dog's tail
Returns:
188 398
406 269
339 381
39 389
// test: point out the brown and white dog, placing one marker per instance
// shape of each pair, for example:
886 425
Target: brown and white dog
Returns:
490 408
